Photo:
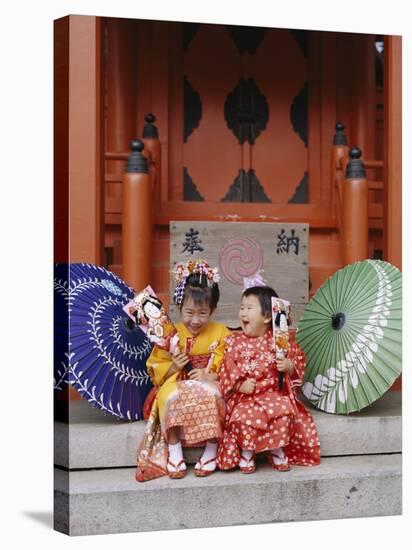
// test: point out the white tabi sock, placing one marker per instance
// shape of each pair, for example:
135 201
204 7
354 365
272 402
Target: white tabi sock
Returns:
245 457
247 453
176 455
210 451
208 454
280 455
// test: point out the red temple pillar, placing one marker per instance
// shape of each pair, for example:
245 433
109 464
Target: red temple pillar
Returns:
393 150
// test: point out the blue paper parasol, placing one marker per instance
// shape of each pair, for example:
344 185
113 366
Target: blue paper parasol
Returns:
106 353
61 326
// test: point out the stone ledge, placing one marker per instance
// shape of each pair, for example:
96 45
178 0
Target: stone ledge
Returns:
111 501
99 441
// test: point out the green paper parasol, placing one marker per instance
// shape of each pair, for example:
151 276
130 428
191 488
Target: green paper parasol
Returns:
351 332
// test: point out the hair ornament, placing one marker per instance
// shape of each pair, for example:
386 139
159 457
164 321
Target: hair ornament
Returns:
254 280
183 270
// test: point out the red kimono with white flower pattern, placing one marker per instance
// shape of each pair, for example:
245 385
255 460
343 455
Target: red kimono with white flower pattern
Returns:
268 418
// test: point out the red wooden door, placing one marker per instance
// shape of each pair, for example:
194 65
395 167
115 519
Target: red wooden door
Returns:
245 114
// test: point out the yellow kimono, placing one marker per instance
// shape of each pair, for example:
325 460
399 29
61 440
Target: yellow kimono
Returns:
196 407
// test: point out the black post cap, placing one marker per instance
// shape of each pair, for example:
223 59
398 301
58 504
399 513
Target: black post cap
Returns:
136 163
150 130
339 138
355 168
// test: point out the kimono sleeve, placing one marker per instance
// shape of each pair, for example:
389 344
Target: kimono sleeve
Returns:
265 384
298 358
230 373
158 365
219 351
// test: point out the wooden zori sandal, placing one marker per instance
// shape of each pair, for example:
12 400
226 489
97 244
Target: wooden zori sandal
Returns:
201 472
177 474
279 464
250 465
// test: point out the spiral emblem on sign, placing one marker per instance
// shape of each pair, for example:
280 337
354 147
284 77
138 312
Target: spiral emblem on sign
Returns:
240 257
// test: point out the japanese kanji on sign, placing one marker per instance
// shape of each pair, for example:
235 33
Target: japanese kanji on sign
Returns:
241 249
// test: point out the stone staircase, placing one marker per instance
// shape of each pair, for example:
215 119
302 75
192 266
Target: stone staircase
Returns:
359 476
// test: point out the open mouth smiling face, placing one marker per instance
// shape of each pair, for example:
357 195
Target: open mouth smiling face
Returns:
195 316
252 321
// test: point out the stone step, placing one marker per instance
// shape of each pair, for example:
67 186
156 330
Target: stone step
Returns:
99 441
111 501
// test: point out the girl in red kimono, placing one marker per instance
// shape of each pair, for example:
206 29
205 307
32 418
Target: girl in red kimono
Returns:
260 417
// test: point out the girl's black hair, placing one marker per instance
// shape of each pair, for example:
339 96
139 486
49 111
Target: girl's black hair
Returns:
264 294
198 290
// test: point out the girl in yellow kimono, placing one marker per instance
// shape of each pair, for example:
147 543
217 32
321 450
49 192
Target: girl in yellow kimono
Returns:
189 403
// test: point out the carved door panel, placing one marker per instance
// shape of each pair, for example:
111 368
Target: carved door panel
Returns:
245 114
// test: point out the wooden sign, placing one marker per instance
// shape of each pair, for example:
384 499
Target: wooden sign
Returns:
241 249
